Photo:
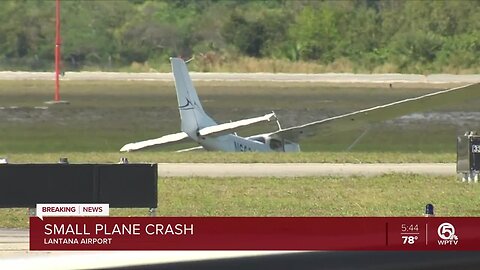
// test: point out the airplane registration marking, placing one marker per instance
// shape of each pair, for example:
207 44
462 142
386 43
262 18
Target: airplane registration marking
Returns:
241 147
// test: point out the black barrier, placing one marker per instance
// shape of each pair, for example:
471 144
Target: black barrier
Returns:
120 185
468 152
132 179
475 153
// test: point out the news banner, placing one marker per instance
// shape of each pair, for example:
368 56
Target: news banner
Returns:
89 227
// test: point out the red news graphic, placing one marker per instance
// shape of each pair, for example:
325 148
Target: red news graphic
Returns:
254 233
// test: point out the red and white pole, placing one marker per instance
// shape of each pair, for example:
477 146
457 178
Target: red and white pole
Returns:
57 52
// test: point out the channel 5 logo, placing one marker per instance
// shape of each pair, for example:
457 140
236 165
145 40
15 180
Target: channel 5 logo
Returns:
446 232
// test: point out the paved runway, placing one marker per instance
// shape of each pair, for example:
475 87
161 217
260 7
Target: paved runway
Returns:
13 242
273 77
300 169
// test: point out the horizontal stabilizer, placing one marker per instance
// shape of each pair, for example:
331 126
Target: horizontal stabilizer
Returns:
232 126
154 142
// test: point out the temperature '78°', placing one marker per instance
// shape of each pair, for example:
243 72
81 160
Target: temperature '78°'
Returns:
409 239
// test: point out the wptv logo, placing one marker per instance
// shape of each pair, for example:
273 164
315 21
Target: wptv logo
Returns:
446 232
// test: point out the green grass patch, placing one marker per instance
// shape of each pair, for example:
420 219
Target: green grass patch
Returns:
244 157
105 115
387 195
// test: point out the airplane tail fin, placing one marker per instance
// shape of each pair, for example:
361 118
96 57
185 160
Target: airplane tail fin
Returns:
192 115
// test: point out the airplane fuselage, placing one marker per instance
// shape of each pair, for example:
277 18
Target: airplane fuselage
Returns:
234 143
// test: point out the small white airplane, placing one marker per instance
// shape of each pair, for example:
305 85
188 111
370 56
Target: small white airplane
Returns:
198 126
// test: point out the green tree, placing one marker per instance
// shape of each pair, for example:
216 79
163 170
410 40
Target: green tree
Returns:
315 33
247 36
413 36
24 40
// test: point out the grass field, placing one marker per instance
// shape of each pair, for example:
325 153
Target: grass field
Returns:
218 157
388 195
102 116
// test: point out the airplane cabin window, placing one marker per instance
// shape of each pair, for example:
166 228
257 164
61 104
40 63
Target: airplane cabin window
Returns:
276 144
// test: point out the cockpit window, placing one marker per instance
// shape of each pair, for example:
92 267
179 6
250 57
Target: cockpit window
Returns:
258 139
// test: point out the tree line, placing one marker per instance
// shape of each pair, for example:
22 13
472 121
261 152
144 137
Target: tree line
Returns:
361 35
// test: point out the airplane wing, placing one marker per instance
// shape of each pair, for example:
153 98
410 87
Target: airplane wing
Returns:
154 142
381 113
212 130
233 126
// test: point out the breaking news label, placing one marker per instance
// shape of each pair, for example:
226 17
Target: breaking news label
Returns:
72 210
250 233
